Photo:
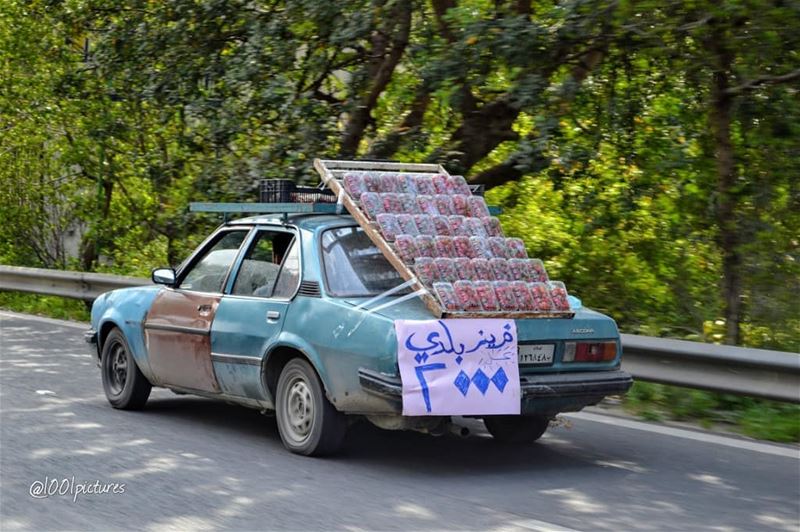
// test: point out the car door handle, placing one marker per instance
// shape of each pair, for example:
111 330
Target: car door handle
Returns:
204 309
273 315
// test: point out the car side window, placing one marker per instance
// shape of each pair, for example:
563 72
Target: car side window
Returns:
289 277
209 272
259 273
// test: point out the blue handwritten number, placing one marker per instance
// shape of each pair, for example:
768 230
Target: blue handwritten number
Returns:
421 377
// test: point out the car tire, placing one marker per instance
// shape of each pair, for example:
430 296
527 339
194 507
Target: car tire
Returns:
516 429
307 422
124 385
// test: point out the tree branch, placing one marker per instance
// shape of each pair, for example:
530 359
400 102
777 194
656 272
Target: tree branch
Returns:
763 80
386 147
440 8
380 72
325 97
512 169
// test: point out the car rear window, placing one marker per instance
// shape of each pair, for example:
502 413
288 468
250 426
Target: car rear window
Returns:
354 267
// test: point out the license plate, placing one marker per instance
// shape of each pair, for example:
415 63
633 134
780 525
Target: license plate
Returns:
537 354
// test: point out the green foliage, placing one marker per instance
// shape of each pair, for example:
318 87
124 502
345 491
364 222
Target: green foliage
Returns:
771 422
753 417
596 125
49 306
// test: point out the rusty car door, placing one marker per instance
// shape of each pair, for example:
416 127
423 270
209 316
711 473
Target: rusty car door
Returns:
178 325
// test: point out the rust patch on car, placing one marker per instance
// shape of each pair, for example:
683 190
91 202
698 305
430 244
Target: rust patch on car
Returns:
177 336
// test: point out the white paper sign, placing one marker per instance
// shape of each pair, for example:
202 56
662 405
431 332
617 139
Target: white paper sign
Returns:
458 366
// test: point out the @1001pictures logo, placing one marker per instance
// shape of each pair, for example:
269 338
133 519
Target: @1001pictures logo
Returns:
61 487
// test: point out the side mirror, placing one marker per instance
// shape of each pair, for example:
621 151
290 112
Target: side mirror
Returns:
163 276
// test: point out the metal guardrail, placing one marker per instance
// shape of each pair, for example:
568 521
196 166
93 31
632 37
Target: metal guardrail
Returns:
721 368
737 370
74 285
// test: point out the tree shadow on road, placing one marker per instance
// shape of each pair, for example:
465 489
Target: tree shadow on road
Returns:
366 444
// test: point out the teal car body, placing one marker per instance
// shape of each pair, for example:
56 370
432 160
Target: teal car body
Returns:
235 346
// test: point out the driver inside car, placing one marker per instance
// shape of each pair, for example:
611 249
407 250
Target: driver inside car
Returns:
280 245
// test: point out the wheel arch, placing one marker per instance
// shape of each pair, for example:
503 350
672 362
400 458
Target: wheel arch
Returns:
105 329
277 358
133 338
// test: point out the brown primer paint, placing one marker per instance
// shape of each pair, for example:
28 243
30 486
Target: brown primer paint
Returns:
181 358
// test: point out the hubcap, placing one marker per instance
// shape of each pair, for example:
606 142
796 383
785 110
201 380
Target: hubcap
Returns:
117 369
299 408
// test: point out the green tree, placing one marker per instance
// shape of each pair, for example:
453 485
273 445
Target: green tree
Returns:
647 151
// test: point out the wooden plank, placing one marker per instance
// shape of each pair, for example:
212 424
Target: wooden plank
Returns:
518 314
402 268
380 166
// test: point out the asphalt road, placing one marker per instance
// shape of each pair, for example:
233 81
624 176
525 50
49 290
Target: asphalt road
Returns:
194 464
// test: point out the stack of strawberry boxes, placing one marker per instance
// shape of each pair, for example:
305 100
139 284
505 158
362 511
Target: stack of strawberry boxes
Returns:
453 244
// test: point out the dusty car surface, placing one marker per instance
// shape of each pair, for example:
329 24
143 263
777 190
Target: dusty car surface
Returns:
273 312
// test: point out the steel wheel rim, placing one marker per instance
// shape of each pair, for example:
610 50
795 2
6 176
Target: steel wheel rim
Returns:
117 368
298 407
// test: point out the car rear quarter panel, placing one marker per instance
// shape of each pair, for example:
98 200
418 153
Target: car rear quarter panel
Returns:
587 325
339 340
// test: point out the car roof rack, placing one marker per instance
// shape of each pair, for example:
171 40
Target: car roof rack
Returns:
264 208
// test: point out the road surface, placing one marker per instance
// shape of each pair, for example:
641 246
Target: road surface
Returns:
195 464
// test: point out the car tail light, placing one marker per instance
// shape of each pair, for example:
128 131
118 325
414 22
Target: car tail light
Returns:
590 351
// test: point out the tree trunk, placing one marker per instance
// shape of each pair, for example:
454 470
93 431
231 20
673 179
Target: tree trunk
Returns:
172 253
480 133
728 228
388 46
89 254
484 127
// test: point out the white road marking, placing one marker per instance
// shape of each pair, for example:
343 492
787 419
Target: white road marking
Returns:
758 447
51 321
540 526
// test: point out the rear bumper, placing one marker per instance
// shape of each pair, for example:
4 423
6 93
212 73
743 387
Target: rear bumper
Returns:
541 394
576 384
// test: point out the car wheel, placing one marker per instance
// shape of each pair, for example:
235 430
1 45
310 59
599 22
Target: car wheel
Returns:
125 386
516 429
307 422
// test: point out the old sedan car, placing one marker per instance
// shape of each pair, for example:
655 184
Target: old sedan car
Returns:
273 312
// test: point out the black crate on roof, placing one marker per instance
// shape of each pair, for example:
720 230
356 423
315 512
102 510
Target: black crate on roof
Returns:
286 191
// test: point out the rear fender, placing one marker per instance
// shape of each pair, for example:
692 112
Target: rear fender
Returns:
297 343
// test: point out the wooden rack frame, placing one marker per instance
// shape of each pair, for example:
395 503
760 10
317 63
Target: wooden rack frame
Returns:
331 172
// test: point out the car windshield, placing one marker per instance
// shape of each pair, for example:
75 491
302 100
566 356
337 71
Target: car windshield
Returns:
354 267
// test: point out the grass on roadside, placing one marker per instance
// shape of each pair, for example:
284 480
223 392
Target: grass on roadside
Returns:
50 306
758 418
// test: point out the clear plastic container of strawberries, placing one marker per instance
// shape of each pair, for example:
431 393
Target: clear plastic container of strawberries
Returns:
449 239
